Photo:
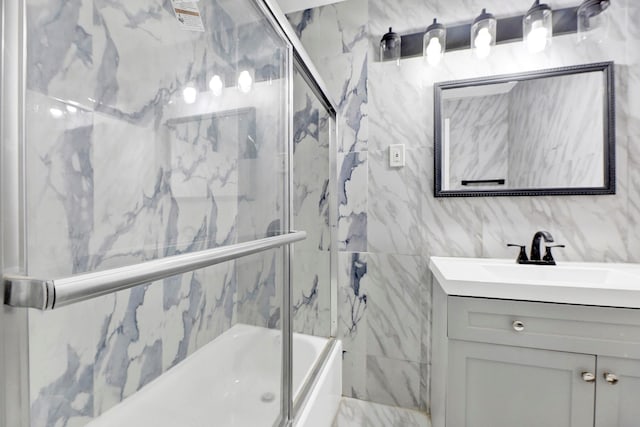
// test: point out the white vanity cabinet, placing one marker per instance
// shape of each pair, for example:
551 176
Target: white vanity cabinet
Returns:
507 363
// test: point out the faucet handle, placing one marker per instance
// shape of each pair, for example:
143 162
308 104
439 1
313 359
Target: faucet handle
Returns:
547 254
522 256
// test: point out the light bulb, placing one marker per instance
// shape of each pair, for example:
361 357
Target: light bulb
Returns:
189 94
216 85
483 39
537 38
482 43
245 82
434 51
56 113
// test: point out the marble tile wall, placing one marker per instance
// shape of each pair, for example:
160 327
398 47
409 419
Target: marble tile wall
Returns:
384 284
568 148
340 53
121 169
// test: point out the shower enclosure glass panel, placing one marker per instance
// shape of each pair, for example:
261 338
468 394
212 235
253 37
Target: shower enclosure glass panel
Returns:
313 131
137 123
151 128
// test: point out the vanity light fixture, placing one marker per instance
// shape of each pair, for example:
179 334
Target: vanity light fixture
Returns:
537 27
390 46
483 34
434 43
593 24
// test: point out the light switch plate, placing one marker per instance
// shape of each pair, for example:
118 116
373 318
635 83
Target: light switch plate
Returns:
396 156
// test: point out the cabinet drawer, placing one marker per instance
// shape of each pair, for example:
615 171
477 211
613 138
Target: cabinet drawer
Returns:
562 327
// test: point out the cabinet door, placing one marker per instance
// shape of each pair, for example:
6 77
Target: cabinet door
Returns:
618 400
500 386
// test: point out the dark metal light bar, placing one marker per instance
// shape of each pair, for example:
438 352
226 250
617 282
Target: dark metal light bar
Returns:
565 21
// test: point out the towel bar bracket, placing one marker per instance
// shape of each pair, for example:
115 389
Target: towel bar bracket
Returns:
29 292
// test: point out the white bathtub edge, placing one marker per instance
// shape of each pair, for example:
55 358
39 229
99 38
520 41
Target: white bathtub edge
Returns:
324 398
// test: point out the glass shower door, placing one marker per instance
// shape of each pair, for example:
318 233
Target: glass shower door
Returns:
152 128
314 267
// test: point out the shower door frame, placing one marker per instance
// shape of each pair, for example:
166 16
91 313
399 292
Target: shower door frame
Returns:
3 379
300 58
14 327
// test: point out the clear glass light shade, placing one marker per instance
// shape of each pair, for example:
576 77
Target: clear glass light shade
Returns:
593 21
390 46
537 27
434 43
483 34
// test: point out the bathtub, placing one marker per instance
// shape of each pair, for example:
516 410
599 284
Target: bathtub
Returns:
234 381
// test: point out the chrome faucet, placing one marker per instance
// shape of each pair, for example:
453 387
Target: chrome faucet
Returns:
535 250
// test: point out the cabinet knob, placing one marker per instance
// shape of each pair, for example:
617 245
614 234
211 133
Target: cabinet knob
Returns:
610 378
518 325
588 377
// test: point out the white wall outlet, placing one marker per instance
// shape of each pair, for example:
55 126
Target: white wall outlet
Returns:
396 156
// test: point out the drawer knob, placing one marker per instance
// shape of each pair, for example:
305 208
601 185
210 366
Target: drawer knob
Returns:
610 378
518 325
588 377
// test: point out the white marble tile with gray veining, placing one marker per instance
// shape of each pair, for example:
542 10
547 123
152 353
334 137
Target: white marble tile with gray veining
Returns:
426 310
561 145
394 306
352 201
331 30
398 105
394 220
358 413
335 38
594 234
393 382
353 300
311 300
354 375
633 129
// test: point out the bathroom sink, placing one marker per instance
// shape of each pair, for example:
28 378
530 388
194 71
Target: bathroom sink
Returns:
556 275
604 284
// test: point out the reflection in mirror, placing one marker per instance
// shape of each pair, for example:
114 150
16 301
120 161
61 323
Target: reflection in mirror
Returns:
547 132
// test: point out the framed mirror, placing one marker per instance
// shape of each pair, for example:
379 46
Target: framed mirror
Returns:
548 132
